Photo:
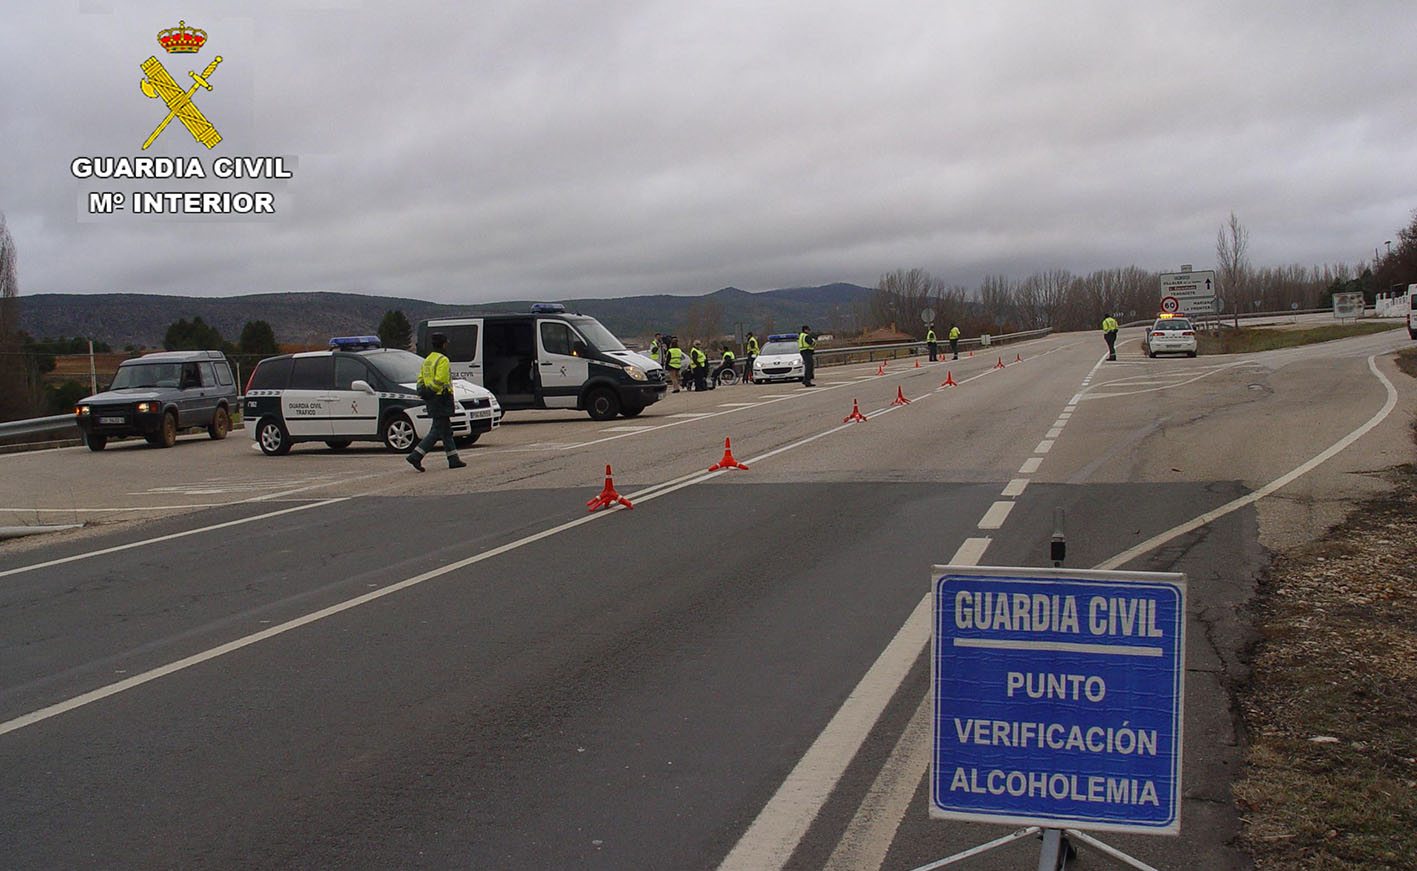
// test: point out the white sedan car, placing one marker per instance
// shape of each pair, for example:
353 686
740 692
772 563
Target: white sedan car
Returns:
779 360
1170 335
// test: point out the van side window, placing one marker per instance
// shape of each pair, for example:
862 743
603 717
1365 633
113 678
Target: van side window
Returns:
349 370
556 337
313 373
462 342
271 374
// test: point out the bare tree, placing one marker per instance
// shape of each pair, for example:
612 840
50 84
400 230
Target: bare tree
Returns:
12 370
1232 258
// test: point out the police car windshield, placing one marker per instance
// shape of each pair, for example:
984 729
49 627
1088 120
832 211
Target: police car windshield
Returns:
598 336
1171 324
400 367
783 347
148 375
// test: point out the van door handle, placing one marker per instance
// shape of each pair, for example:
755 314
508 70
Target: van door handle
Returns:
547 363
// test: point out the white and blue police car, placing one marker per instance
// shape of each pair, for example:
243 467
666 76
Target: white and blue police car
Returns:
779 360
356 391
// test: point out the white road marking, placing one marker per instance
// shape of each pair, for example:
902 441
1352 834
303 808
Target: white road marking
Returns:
1054 432
1015 487
1030 465
736 404
1044 446
147 541
692 414
996 515
970 552
627 428
1065 415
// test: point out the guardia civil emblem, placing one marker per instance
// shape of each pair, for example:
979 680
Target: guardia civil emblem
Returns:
157 84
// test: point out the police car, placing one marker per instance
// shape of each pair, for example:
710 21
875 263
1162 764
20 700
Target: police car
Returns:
356 391
779 360
1170 335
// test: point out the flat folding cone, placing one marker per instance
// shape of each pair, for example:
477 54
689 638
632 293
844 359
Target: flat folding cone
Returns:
899 398
854 415
1000 364
949 380
727 462
608 496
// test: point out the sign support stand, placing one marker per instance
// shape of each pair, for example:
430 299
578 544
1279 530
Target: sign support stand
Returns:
1058 844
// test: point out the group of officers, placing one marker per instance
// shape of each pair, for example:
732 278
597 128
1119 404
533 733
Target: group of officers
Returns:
673 358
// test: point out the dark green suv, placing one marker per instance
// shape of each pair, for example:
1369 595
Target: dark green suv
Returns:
157 395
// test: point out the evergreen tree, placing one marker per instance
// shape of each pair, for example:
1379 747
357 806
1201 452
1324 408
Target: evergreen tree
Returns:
195 336
258 339
395 330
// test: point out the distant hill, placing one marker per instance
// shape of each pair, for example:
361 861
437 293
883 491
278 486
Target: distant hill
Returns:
142 319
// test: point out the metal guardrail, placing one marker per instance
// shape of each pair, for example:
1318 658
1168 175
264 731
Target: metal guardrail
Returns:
872 353
37 425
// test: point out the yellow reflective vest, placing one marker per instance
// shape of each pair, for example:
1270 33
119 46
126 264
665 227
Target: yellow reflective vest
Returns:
805 342
954 332
753 346
930 336
436 373
1109 324
698 357
676 358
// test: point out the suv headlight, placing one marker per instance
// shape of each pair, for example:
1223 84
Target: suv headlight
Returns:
636 373
149 407
81 410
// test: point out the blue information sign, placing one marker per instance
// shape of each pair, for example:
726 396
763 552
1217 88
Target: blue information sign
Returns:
1058 697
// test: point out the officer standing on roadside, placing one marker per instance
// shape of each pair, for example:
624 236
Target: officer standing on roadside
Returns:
954 341
932 345
807 347
750 353
435 386
699 361
675 358
1109 332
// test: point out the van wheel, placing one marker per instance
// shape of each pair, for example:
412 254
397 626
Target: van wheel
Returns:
632 410
96 442
167 436
272 437
398 434
221 424
602 404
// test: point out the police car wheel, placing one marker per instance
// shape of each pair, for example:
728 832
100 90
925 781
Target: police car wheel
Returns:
221 424
272 438
95 442
602 404
398 434
337 444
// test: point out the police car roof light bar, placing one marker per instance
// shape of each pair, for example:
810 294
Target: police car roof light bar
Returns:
354 343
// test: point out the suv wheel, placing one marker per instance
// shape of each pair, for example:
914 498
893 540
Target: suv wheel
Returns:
602 404
398 433
272 437
221 423
167 436
95 442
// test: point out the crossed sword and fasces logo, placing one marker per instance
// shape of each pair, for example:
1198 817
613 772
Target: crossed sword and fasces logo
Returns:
159 84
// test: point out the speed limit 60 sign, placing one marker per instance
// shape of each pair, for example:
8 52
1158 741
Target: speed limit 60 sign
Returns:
1188 292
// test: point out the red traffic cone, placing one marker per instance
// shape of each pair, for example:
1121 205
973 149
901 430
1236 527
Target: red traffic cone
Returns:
855 414
971 353
881 369
727 462
949 380
917 364
899 398
1000 364
608 496
1018 358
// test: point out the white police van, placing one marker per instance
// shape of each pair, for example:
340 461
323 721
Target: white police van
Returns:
357 391
548 359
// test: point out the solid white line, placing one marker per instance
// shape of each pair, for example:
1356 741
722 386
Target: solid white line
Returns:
126 508
1015 487
1044 446
996 515
778 829
147 541
1156 541
1030 465
1066 646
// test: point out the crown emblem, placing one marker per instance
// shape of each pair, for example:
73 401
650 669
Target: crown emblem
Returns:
182 39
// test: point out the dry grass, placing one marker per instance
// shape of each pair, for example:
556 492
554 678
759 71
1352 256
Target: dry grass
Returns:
1337 661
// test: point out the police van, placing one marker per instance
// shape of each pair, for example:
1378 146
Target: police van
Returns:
356 391
548 358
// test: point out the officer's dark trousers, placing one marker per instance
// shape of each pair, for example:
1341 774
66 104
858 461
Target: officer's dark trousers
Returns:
442 429
934 351
808 367
954 348
1111 337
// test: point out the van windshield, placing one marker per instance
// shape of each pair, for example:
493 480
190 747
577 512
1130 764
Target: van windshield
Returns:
599 337
400 367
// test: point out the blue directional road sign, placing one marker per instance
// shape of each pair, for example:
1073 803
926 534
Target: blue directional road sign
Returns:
1058 697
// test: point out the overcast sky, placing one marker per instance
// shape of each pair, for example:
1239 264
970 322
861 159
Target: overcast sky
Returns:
499 149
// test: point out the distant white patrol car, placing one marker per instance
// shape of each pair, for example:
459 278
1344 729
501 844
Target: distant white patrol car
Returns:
356 391
779 360
1170 334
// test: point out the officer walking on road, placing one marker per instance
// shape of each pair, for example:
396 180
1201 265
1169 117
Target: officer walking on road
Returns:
1109 332
932 345
954 342
750 353
435 386
807 347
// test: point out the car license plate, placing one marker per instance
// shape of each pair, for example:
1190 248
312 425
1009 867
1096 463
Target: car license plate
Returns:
111 420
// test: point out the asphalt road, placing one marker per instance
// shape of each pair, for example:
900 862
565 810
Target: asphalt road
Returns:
326 660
